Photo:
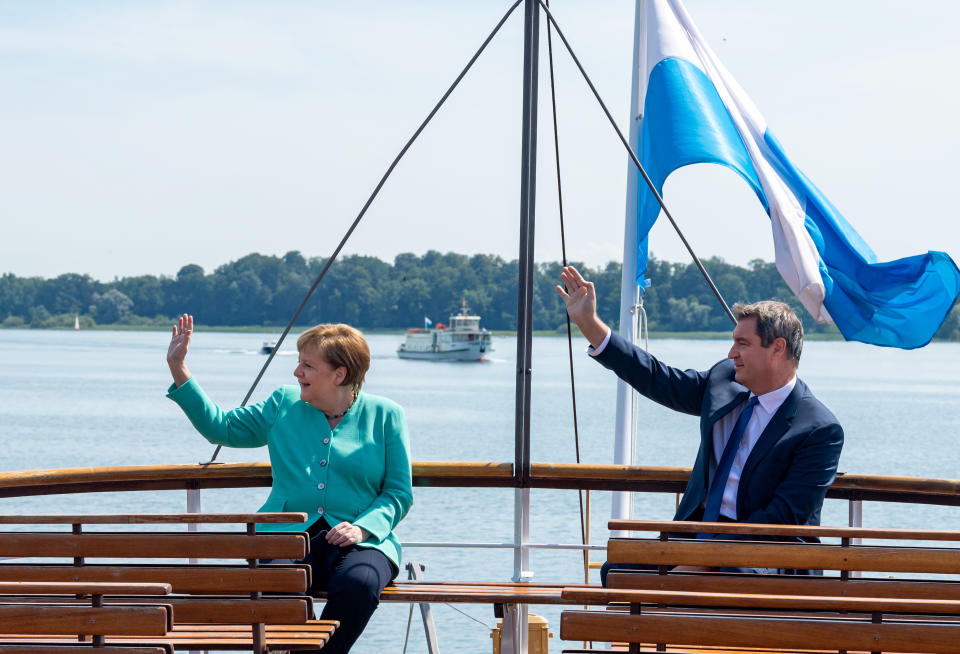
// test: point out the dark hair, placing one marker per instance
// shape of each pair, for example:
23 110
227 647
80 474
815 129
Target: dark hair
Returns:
774 320
340 345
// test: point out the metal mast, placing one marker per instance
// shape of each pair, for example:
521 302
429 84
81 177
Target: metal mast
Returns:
528 192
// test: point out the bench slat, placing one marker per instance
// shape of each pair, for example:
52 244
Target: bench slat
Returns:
804 531
401 583
312 635
785 585
35 619
75 588
482 593
151 518
43 648
741 600
209 610
784 555
183 579
273 610
152 545
769 633
308 640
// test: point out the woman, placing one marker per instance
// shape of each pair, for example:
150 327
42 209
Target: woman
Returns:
339 455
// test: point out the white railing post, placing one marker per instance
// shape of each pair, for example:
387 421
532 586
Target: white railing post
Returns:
855 511
193 506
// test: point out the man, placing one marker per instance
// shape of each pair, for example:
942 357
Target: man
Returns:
779 469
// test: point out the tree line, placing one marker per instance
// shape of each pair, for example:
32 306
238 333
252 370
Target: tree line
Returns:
261 290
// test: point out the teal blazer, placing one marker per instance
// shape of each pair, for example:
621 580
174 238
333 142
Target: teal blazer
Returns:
359 472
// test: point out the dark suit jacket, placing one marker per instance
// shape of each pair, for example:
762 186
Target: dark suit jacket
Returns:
791 466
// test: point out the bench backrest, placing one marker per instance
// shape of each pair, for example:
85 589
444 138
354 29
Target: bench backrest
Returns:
935 557
238 591
744 554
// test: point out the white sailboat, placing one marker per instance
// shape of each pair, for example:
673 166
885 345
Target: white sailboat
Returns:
76 322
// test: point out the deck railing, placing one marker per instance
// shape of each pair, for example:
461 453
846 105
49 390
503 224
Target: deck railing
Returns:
874 488
854 488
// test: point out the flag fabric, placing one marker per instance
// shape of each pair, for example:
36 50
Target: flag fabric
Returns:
695 112
426 322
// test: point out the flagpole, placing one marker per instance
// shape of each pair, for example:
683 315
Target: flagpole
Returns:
625 430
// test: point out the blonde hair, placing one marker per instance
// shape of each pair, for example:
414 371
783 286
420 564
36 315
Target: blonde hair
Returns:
339 345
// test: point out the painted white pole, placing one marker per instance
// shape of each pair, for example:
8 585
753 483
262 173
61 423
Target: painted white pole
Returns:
625 435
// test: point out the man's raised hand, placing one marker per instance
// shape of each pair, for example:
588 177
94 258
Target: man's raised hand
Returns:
581 300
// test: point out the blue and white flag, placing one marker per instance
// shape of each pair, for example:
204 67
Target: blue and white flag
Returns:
695 112
426 322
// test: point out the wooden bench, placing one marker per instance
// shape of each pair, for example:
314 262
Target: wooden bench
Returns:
836 611
234 602
43 625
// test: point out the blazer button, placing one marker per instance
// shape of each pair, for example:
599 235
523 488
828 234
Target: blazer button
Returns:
321 486
323 463
326 441
320 510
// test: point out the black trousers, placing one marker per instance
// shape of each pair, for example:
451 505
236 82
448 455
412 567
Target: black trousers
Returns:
353 578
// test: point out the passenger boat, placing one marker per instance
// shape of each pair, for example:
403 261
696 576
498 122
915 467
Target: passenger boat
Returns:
462 340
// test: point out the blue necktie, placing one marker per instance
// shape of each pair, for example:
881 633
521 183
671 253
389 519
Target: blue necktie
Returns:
711 511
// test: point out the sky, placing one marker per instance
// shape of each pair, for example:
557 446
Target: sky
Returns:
138 137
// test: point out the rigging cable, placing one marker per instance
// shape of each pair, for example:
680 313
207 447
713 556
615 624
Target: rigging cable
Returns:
584 536
636 162
367 204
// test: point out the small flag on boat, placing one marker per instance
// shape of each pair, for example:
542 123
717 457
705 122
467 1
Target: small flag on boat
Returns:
426 322
695 112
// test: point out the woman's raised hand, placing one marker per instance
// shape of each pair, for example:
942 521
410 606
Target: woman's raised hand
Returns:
177 350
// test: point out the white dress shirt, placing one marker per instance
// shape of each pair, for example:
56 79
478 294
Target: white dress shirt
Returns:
723 428
594 351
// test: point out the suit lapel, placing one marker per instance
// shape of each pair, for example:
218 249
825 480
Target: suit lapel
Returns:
724 397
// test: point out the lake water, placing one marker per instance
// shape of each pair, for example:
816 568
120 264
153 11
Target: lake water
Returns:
72 399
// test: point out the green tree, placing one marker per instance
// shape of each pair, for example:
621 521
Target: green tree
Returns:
111 306
191 293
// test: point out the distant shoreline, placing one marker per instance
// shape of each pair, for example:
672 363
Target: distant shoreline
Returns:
264 329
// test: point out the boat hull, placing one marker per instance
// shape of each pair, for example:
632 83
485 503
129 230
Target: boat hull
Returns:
470 354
